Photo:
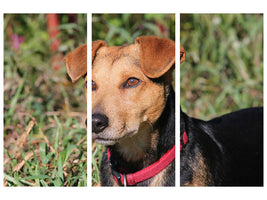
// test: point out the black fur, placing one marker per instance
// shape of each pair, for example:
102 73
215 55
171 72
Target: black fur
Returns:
231 147
166 127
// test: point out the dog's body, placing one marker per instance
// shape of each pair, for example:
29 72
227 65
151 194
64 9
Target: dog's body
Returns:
133 107
225 151
133 111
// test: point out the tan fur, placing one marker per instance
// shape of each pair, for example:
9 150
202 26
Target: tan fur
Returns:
157 55
131 112
137 143
76 65
76 62
201 176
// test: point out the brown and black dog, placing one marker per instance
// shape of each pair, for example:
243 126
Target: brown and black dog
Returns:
133 111
225 151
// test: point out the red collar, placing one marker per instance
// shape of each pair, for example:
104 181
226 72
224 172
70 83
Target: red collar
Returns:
183 140
146 173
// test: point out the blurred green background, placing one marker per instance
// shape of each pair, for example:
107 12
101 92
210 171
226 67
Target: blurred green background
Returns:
121 29
223 69
44 133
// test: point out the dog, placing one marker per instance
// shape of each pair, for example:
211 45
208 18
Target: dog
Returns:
225 151
76 65
133 111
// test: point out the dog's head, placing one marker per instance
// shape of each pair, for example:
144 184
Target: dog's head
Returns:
129 87
76 64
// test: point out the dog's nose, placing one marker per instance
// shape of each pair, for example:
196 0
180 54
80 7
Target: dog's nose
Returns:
99 122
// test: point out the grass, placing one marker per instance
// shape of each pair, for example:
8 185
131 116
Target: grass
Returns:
120 29
45 141
223 70
44 137
96 160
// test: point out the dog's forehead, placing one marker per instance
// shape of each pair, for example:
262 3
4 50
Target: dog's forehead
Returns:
109 56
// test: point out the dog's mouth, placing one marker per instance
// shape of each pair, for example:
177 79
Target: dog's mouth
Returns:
105 141
110 140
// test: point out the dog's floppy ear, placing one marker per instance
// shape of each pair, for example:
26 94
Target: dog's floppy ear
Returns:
76 62
157 55
96 45
182 54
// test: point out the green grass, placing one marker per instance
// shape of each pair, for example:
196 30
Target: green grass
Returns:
223 70
120 29
45 142
96 160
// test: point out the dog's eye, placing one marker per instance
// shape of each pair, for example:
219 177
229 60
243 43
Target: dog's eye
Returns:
132 82
93 86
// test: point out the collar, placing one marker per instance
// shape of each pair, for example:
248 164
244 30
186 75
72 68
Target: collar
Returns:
183 140
146 173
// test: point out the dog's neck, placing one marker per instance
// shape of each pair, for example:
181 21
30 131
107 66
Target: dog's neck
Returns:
149 144
133 149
